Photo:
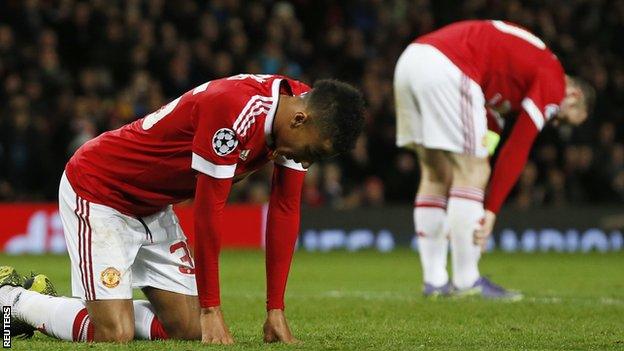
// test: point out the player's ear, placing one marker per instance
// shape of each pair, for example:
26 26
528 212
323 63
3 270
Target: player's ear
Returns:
299 119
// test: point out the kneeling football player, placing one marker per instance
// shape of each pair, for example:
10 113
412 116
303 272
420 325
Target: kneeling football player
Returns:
115 201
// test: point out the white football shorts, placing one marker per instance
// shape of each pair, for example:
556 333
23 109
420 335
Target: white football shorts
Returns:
112 253
437 105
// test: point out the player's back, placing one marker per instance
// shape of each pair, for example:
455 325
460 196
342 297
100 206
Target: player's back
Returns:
124 166
509 63
145 165
487 50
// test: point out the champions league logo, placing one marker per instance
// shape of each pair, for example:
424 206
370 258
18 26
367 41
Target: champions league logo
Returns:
224 141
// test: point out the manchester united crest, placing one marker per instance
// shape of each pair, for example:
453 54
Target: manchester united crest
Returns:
110 277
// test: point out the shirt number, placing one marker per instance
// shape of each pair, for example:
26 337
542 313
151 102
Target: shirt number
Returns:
260 78
154 117
519 33
186 258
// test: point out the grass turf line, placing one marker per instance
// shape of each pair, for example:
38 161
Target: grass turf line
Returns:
368 300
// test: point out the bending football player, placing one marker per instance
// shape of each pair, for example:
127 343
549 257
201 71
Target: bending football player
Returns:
450 85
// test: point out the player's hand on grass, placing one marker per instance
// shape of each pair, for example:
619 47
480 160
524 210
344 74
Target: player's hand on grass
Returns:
276 328
214 330
483 232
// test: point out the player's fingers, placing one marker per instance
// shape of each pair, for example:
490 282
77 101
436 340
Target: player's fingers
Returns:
219 340
478 242
291 341
477 236
479 239
222 341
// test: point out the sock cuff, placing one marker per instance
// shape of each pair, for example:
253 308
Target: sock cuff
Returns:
81 325
435 201
157 331
468 193
90 331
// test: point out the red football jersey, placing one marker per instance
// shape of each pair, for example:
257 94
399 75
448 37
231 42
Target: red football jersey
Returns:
221 128
515 69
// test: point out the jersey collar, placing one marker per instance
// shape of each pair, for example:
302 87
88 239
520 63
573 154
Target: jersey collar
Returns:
268 122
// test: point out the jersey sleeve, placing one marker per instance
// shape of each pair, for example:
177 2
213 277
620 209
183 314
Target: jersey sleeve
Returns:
210 198
538 107
215 143
282 231
510 163
542 101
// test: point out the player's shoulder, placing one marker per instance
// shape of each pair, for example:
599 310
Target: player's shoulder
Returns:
551 78
237 101
225 99
520 43
241 88
249 83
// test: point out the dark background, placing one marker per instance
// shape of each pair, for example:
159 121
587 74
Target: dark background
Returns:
70 70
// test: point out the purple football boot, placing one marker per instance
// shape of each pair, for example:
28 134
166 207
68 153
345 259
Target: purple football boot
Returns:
486 289
431 291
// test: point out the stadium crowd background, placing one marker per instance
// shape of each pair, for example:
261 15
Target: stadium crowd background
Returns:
70 70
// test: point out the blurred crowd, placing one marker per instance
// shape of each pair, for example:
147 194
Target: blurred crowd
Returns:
70 70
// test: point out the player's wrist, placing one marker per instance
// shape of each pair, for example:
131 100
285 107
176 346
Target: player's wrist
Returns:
211 310
275 307
275 311
491 209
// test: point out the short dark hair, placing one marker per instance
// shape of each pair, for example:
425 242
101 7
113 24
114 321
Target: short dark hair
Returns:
589 93
338 110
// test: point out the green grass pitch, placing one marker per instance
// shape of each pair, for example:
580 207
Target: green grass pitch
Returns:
369 300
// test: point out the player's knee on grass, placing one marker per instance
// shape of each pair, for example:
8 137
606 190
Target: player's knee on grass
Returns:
178 313
182 325
113 320
183 329
109 333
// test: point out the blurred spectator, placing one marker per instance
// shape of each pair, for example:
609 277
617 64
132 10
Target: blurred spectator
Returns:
70 70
